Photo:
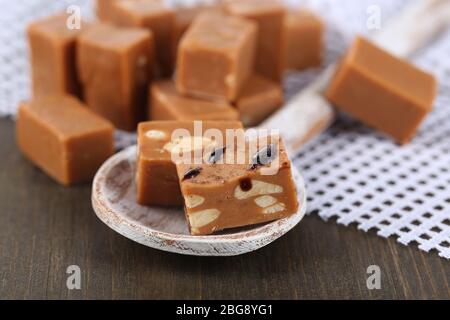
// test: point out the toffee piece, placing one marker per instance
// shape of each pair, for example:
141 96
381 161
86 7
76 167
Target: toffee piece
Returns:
258 100
155 16
114 65
184 16
104 9
228 195
52 53
269 16
216 57
304 40
63 137
156 176
168 104
383 91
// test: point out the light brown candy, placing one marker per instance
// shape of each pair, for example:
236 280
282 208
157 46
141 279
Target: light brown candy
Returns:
183 19
114 65
221 195
184 16
153 15
383 91
168 104
104 9
156 176
52 53
258 100
216 57
304 40
63 137
269 16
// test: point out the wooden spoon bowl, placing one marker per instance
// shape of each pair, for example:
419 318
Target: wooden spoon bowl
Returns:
114 202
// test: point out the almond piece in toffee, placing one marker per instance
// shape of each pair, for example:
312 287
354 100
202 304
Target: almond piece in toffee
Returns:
156 177
63 137
224 195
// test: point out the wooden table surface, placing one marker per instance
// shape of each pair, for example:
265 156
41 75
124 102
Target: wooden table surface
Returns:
44 228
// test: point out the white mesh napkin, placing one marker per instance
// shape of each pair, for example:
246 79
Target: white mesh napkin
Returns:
352 172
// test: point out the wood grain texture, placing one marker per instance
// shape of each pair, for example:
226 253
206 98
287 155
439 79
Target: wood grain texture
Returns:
44 228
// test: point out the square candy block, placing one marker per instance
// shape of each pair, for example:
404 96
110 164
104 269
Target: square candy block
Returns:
269 16
114 66
63 137
52 53
104 9
304 40
383 91
153 15
258 100
184 16
221 194
216 57
168 104
156 175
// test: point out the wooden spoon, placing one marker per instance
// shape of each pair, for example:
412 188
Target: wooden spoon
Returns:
114 202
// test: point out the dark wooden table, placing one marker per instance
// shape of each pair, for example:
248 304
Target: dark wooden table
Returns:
44 228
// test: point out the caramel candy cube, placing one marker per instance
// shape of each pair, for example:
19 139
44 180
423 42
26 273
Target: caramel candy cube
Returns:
222 194
258 100
216 57
114 66
269 16
156 176
154 15
168 104
383 91
183 19
184 16
52 54
63 137
304 40
104 9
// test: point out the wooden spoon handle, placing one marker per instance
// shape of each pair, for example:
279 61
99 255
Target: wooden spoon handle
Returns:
308 113
415 27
